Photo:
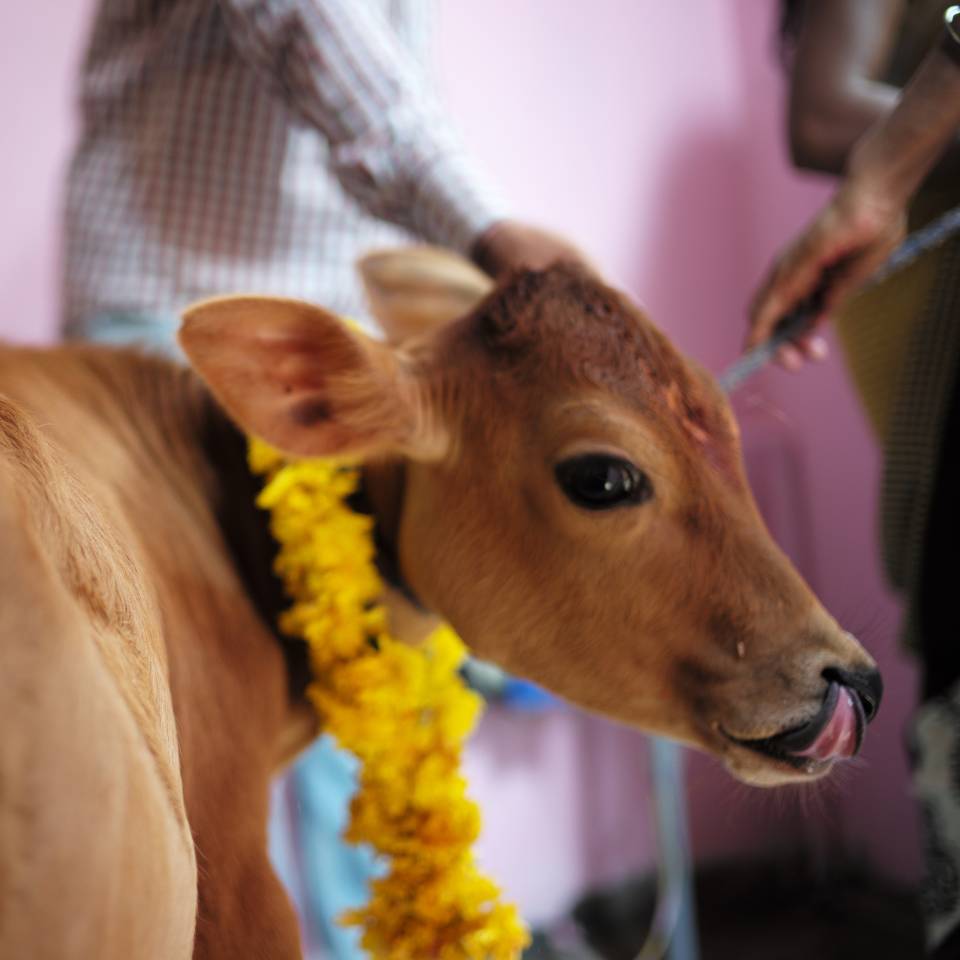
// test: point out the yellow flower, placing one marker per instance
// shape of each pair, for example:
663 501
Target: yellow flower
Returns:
403 711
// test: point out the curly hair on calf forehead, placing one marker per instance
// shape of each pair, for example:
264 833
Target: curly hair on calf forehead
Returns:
579 329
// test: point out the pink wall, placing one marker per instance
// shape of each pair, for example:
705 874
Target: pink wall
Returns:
650 132
42 40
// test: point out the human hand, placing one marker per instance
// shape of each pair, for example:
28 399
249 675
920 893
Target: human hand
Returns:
511 245
846 243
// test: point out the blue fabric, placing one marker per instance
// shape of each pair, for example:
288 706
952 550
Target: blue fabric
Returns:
335 874
309 807
526 696
154 332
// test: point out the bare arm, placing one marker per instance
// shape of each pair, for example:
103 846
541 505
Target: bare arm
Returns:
895 156
836 88
836 92
866 218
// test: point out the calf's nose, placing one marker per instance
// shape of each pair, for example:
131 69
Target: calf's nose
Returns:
867 684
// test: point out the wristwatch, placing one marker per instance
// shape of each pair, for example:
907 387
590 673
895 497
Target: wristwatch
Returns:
951 34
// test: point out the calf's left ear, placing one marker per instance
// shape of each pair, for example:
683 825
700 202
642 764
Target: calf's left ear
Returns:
301 379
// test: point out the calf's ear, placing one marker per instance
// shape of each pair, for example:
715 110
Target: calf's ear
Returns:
415 289
301 379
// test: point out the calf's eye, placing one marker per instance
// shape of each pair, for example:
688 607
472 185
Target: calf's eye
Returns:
600 481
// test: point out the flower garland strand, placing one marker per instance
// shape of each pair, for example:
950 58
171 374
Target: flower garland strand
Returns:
403 711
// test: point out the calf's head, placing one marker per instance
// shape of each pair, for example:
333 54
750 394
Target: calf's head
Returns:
571 499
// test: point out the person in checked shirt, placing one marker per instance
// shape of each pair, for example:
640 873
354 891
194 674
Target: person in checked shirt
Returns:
264 145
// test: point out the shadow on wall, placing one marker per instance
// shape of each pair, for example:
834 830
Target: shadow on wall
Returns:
812 463
697 259
871 806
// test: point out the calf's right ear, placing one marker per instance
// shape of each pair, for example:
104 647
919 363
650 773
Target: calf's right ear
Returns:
412 290
301 379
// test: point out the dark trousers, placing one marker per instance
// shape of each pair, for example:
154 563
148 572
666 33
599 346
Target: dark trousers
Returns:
939 598
938 604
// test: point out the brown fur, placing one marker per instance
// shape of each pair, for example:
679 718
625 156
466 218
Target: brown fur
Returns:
149 699
110 530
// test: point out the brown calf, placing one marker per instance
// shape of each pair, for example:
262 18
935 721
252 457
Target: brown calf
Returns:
547 473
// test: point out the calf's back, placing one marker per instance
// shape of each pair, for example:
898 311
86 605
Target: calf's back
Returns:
145 699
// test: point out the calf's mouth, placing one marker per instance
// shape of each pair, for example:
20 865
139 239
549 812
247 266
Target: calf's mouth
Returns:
834 732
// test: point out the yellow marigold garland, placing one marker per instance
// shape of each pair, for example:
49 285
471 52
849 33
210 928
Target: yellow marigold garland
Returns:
403 711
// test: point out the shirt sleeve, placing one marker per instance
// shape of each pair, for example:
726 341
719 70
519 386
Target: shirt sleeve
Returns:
338 65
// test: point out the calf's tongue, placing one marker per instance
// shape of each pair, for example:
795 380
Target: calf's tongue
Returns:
840 735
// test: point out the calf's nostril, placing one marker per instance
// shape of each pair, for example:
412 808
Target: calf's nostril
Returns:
866 684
